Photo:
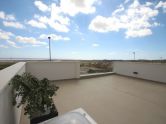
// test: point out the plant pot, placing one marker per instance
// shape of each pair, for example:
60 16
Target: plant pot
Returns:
40 117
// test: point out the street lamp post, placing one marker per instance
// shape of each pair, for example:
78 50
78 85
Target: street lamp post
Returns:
49 38
134 55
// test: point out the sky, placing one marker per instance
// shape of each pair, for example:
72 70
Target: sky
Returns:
83 29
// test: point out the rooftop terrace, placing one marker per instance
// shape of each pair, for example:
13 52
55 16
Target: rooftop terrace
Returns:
111 99
115 99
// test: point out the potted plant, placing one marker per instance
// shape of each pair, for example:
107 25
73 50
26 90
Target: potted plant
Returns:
36 96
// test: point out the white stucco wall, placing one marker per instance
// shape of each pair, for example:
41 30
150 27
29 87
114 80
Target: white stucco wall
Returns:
8 113
54 70
51 70
150 71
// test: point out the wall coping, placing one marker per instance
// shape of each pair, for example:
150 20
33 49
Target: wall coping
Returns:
139 62
8 73
60 61
95 75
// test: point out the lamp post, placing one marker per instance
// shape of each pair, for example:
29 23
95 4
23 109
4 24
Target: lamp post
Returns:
134 55
49 38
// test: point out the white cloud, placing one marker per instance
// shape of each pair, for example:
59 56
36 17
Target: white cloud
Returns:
3 46
126 1
9 20
120 9
70 7
42 19
13 24
103 24
162 5
138 33
13 44
36 45
156 24
53 37
149 4
137 20
5 35
56 20
95 45
58 27
59 19
56 16
37 24
2 15
41 6
10 17
73 7
53 22
5 16
29 40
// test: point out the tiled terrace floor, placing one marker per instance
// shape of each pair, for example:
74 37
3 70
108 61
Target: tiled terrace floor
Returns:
114 99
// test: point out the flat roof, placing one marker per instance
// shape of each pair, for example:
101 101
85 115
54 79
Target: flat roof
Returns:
113 99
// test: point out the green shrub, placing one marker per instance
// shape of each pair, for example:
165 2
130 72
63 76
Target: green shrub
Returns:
35 94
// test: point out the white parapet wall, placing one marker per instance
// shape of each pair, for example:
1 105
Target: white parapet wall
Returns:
8 113
54 70
149 71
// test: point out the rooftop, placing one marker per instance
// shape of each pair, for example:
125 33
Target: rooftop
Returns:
114 99
108 98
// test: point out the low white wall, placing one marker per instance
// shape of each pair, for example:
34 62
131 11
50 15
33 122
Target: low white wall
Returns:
8 113
51 70
150 71
54 70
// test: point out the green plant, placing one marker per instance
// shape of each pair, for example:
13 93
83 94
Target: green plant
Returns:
36 95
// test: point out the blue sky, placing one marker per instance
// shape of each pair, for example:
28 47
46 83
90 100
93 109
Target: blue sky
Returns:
83 29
